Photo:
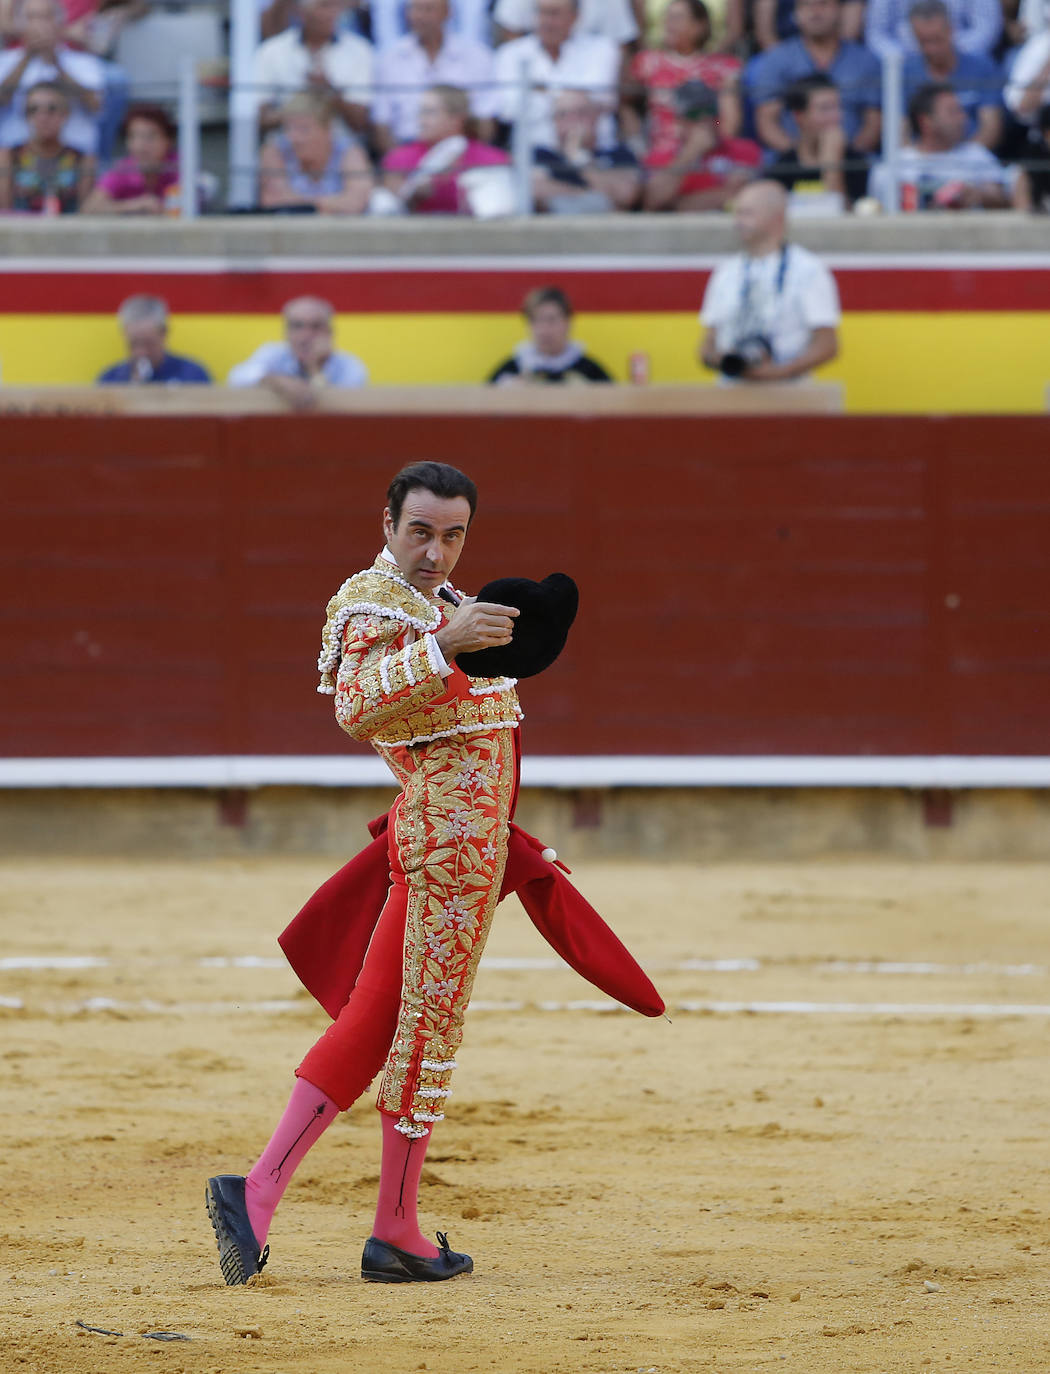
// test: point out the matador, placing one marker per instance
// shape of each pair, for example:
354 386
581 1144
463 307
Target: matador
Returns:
391 945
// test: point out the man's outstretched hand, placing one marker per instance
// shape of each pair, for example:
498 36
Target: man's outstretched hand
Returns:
476 625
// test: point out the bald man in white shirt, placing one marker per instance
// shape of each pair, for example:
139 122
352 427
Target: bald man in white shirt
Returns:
770 313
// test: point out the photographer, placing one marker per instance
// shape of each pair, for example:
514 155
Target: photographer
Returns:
770 313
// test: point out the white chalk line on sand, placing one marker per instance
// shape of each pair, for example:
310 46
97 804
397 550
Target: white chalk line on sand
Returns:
517 964
275 1006
11 963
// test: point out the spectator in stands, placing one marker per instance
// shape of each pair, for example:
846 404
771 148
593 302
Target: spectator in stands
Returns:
818 48
701 170
940 170
277 15
613 19
581 174
425 175
94 26
550 355
820 160
44 175
429 55
773 22
976 25
316 55
555 59
655 74
770 313
1028 87
144 322
975 78
467 19
298 369
146 182
1033 187
42 56
309 163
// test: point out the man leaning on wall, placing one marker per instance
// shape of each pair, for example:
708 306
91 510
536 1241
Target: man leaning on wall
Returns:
305 363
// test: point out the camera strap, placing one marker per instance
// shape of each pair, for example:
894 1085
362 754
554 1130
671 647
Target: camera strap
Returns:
745 282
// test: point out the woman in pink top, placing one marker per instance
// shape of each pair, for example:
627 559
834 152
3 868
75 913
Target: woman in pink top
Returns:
656 74
139 183
425 174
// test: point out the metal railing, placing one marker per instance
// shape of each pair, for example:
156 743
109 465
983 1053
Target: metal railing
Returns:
243 133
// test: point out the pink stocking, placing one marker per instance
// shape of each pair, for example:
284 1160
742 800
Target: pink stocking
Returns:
396 1221
308 1114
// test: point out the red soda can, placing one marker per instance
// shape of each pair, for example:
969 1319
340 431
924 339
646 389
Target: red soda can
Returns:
638 369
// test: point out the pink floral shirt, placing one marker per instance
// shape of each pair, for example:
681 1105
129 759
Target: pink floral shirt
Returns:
662 72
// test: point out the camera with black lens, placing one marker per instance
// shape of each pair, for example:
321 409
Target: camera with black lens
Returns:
752 349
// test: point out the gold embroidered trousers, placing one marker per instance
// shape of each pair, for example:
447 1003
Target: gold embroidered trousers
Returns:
448 851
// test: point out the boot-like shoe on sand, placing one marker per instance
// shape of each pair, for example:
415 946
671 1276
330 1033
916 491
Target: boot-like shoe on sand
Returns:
239 1253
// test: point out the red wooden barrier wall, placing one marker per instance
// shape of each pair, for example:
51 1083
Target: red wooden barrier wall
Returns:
834 586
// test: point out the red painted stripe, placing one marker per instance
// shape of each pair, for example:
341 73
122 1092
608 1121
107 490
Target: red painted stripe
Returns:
488 291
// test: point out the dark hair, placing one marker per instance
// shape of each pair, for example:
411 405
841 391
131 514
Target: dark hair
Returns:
699 12
438 478
798 94
152 114
930 9
1042 119
922 102
546 295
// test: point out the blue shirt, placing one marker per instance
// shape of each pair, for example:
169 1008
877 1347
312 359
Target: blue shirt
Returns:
976 80
278 360
173 369
854 71
976 25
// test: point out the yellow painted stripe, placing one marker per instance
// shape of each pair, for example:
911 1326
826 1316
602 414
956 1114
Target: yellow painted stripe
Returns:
959 362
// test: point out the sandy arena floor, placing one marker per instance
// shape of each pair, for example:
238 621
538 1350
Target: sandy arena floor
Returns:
848 1174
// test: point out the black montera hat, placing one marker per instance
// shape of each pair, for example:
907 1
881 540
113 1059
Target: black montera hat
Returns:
547 608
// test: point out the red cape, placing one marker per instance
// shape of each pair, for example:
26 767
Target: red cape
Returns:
326 942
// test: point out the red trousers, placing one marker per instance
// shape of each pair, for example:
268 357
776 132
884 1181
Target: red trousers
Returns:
354 1047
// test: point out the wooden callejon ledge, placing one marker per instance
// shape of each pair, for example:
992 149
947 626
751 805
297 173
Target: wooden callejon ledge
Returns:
786 398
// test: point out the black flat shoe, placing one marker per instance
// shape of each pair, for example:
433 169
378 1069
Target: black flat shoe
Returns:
385 1263
239 1254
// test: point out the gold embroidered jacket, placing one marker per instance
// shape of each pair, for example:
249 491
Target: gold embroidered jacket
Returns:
379 659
